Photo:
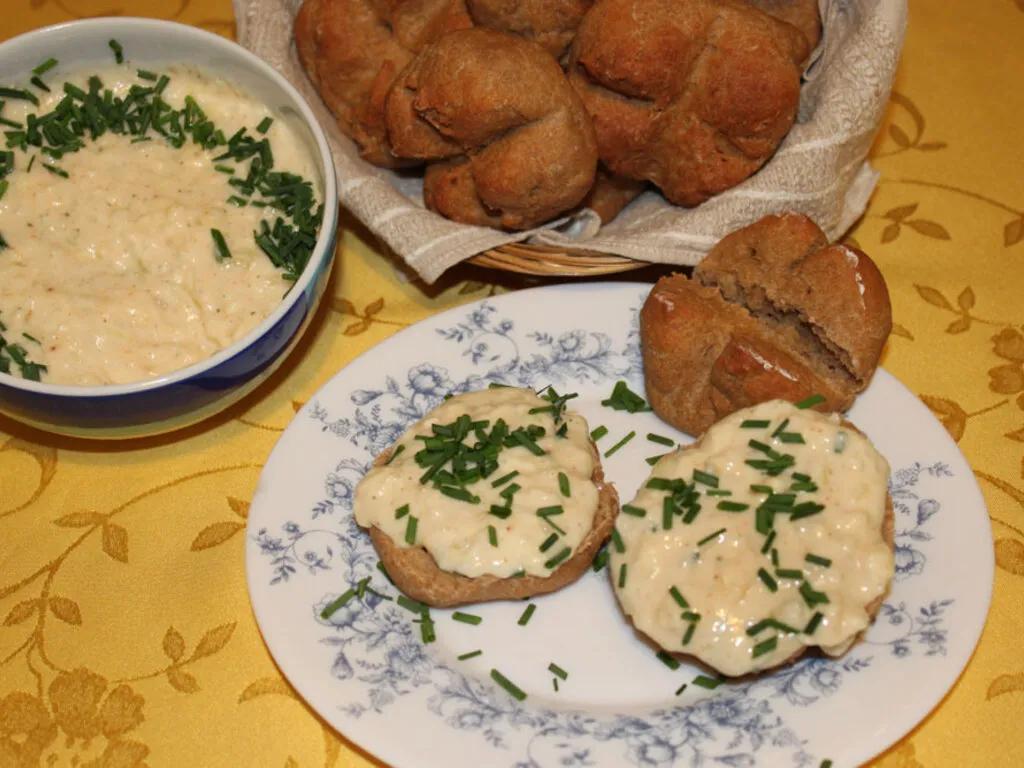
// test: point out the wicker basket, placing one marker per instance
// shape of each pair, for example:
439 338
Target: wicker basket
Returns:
549 261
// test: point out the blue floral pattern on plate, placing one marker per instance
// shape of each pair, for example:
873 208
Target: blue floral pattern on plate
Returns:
376 647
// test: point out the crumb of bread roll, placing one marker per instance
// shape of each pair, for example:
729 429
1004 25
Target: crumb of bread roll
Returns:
772 534
484 500
773 311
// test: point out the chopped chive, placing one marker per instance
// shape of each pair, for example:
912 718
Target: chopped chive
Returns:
265 124
801 477
765 646
690 616
763 575
413 606
732 506
410 530
806 509
811 596
619 444
492 535
660 439
556 670
45 67
623 398
548 542
629 509
762 489
754 424
781 428
791 437
825 764
505 478
554 561
563 484
824 562
668 660
718 492
598 432
554 683
221 245
235 200
118 51
511 688
757 445
20 94
524 619
466 618
401 512
707 682
502 512
710 537
459 494
812 625
337 604
31 338
622 575
224 169
3 188
55 170
600 560
678 597
470 655
145 74
511 490
775 557
688 635
38 83
810 402
394 454
705 478
617 542
768 543
382 569
789 573
652 460
681 688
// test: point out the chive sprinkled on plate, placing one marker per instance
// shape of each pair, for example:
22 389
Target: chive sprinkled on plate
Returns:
413 606
511 688
598 432
623 398
668 660
660 439
681 688
470 655
619 444
704 681
526 615
466 618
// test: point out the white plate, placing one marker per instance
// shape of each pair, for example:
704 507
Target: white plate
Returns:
367 673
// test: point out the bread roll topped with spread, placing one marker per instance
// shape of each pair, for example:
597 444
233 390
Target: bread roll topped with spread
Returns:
496 494
771 534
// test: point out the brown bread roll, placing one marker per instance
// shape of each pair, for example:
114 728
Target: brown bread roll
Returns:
509 142
552 23
693 96
772 312
352 50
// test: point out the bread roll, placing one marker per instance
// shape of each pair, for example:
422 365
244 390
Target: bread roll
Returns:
773 311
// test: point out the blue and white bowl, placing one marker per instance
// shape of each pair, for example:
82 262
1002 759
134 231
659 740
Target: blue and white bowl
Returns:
194 393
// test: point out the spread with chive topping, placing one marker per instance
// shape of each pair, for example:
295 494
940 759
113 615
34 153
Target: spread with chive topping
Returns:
794 555
145 222
498 480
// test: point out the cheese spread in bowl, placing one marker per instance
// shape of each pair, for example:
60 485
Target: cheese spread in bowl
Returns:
167 220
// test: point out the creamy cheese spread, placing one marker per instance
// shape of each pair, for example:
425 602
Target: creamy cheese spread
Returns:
532 529
112 270
785 548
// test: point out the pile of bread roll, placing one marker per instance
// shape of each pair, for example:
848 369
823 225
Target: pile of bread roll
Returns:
520 112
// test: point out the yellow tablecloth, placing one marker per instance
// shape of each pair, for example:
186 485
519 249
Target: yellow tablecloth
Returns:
127 637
